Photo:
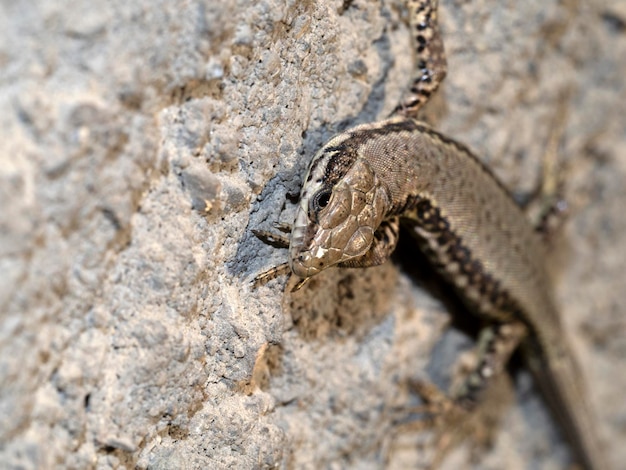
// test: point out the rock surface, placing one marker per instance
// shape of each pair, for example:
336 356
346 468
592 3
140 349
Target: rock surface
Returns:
142 140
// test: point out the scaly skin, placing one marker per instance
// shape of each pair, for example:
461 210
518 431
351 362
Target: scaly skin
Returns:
370 179
367 179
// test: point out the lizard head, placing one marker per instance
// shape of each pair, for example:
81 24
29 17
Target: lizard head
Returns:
342 203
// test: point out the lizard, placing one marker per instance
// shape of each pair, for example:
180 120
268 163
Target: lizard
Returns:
368 181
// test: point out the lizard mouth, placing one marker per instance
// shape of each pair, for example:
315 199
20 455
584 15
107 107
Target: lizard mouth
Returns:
308 263
300 267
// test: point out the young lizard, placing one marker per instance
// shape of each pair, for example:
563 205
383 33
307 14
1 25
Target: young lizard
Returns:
368 181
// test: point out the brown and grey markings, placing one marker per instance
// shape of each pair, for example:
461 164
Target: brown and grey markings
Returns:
366 182
429 53
454 260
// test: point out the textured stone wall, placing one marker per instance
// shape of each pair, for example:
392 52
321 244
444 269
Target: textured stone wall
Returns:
142 140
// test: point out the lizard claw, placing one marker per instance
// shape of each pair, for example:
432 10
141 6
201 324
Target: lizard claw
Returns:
449 422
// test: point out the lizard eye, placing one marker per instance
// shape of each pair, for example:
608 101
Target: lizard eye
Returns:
319 201
321 198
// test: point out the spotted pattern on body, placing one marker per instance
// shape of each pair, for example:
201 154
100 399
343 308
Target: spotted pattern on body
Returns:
429 53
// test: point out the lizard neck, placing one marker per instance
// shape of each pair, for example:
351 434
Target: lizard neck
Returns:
464 219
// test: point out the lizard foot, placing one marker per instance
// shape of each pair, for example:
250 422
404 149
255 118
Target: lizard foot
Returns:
450 423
